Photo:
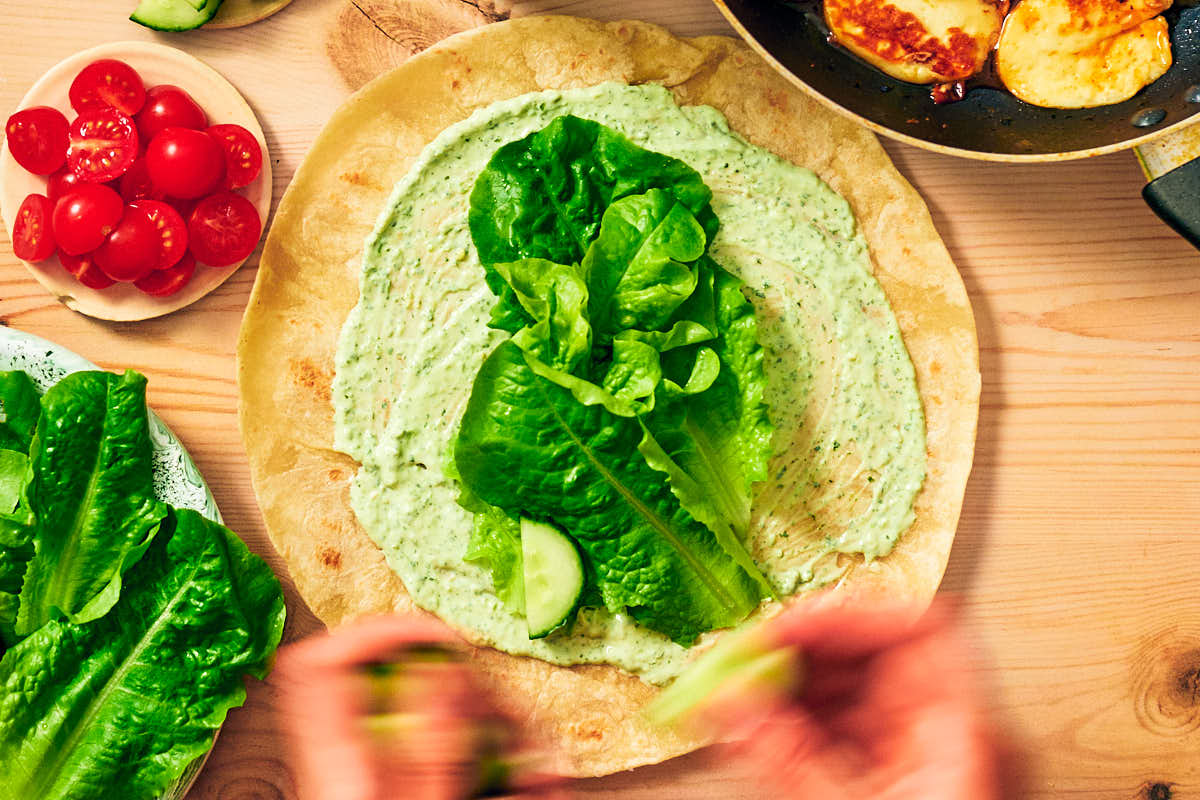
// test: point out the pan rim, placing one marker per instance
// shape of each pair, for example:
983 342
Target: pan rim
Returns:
925 144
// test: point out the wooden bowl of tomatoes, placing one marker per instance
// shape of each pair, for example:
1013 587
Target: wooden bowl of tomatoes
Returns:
134 180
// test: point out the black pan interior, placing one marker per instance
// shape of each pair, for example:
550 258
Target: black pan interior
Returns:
988 120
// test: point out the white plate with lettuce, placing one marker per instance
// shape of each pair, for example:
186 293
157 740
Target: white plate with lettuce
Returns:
142 594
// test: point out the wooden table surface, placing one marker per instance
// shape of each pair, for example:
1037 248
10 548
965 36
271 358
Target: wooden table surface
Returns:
1078 557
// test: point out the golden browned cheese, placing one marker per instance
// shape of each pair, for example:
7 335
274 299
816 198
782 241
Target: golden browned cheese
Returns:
919 41
1083 53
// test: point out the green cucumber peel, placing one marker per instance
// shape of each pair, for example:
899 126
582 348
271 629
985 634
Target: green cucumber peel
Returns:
742 663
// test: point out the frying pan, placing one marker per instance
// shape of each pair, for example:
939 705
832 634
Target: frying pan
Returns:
989 123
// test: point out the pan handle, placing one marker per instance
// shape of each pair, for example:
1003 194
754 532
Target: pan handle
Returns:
1172 165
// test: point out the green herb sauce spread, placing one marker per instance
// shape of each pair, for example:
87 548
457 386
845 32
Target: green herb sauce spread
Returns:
850 433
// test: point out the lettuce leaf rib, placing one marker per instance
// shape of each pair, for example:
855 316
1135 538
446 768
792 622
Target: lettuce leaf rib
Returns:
91 494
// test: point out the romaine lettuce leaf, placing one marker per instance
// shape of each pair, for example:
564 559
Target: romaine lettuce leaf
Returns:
721 437
19 410
544 196
15 550
639 268
495 545
528 447
555 297
118 707
628 406
91 497
12 479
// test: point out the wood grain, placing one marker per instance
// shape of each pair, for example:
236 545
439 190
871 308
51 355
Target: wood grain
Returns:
1076 559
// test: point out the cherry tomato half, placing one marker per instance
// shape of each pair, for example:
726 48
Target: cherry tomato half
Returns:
223 229
104 144
131 250
38 138
106 83
32 238
84 268
84 217
135 184
166 282
61 182
170 228
168 107
243 156
184 162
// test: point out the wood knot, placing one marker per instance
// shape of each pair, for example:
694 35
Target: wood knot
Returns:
373 36
1166 685
1155 791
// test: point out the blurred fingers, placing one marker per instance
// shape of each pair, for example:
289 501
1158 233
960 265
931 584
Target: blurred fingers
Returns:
835 632
362 641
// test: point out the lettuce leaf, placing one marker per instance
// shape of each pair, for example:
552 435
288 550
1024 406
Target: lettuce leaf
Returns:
12 479
528 447
118 707
627 408
90 495
544 196
15 549
15 552
721 437
639 269
19 411
555 297
495 545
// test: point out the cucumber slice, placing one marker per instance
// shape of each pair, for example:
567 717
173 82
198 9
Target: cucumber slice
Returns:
174 15
741 661
553 577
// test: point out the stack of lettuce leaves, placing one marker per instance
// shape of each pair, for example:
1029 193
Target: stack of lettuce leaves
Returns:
626 410
127 627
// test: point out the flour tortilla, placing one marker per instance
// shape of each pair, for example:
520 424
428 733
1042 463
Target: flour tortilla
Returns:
307 284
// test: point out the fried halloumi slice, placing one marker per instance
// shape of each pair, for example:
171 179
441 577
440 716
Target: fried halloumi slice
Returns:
1083 53
919 41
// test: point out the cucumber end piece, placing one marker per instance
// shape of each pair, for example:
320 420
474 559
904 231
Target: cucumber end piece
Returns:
174 15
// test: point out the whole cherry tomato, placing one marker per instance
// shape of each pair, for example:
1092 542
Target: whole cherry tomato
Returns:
131 250
84 217
107 82
32 237
135 184
168 107
185 163
38 138
61 182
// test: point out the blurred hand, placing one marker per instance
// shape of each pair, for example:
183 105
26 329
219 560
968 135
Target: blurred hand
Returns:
887 711
422 741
